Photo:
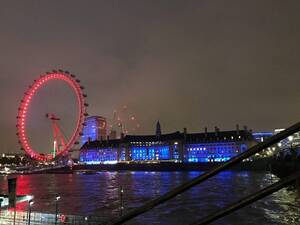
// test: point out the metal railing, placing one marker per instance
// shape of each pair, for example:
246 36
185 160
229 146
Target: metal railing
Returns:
199 179
37 218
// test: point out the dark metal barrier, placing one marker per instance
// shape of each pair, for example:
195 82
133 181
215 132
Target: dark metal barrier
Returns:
249 199
38 218
189 184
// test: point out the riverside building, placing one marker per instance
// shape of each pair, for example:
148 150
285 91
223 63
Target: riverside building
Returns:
95 129
177 147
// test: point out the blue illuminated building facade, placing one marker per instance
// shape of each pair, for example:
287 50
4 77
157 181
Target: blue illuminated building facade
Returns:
214 152
262 136
94 129
150 153
106 152
177 147
103 155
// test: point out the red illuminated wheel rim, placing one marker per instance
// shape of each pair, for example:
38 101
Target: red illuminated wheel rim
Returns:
25 104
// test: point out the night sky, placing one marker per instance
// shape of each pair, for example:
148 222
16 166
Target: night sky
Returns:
186 63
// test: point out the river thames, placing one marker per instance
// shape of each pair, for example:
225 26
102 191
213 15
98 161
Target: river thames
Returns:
98 195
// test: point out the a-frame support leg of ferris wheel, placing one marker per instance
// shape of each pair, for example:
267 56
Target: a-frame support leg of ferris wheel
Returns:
58 138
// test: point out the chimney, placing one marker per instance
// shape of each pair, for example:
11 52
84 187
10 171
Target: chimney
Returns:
245 128
122 136
205 132
237 129
158 129
216 131
184 134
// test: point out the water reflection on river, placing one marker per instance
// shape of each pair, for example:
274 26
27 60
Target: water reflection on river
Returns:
98 194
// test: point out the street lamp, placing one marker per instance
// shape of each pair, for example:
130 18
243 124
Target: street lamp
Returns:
30 203
291 138
279 144
1 200
57 197
292 149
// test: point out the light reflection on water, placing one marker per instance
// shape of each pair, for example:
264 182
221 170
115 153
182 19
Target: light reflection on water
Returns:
98 194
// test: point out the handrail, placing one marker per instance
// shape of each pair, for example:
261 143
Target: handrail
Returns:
249 199
199 179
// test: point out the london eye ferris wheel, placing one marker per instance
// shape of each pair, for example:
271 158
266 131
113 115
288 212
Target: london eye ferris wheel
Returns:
61 144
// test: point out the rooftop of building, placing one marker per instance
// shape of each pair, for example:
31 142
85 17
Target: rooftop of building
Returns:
217 136
263 133
94 118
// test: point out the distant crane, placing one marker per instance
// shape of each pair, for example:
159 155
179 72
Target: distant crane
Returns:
58 137
125 121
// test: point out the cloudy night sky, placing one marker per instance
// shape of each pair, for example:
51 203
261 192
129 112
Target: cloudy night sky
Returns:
186 63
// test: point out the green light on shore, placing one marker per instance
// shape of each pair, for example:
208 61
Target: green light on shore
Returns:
54 149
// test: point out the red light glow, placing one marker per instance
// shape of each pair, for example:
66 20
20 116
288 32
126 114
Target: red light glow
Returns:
25 103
